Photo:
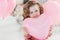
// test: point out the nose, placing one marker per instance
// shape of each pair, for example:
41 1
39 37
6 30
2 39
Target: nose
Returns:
34 14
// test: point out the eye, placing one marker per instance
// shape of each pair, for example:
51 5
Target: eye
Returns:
31 12
36 10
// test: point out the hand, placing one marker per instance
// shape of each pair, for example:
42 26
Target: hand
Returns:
49 34
25 30
29 37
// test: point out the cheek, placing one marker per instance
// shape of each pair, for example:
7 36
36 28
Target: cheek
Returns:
38 13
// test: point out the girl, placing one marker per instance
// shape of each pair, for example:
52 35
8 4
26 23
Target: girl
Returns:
32 10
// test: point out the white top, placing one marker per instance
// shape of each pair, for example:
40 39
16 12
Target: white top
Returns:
10 29
55 33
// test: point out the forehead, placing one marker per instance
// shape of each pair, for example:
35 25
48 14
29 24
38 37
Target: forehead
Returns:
34 7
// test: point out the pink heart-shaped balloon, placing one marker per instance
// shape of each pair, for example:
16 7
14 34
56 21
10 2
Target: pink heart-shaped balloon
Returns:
38 27
6 7
52 8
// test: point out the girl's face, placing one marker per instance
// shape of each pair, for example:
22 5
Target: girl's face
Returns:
34 11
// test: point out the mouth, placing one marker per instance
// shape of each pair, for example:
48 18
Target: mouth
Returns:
36 16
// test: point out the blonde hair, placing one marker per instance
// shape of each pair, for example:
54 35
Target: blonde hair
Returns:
26 7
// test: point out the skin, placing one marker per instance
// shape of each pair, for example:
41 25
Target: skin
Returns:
34 11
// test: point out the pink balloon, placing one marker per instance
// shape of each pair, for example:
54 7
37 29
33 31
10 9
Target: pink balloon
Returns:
58 1
54 0
52 8
38 27
6 7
